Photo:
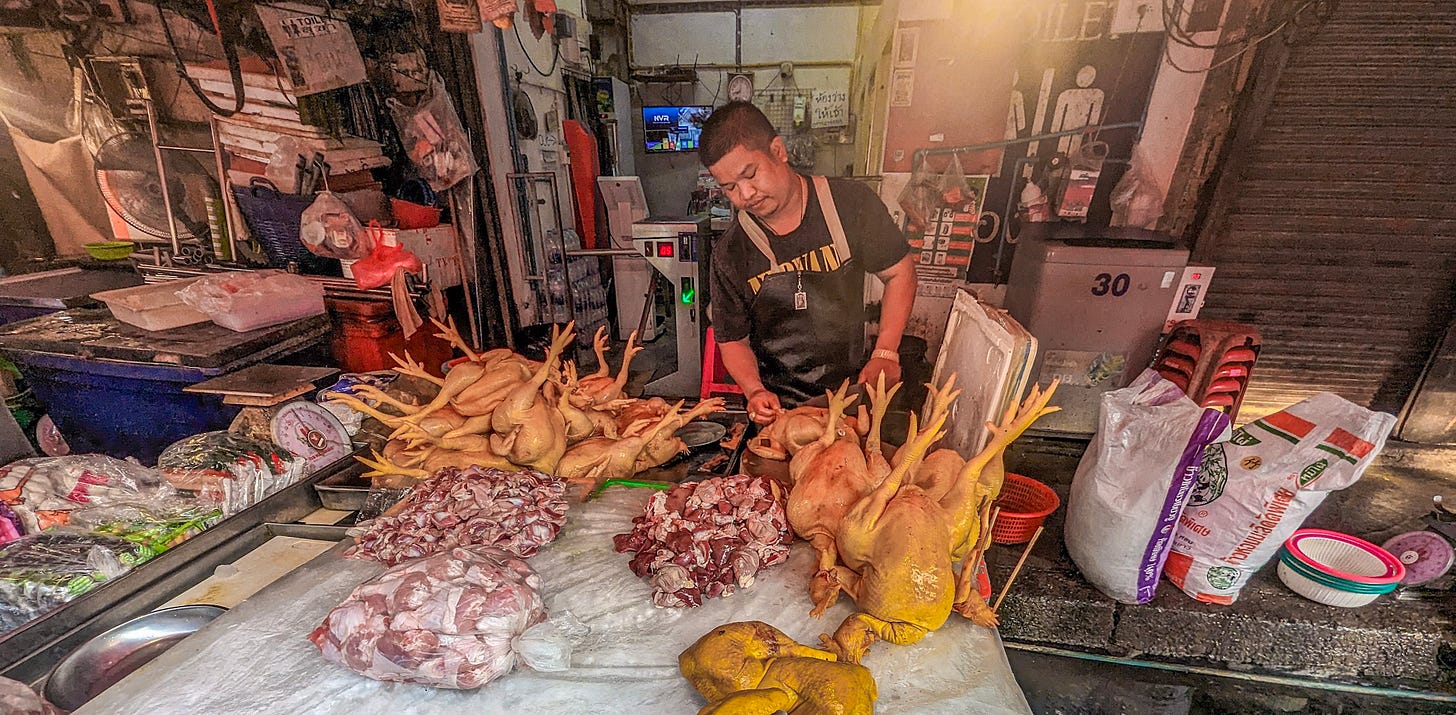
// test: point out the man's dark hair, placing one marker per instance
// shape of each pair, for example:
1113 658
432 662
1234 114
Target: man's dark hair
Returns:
731 125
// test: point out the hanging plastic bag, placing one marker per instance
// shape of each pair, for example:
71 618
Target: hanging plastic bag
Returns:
1256 489
921 197
953 187
328 228
1137 199
1133 482
433 137
282 167
377 269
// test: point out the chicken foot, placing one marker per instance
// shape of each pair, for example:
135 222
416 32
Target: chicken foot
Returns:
980 480
968 601
858 632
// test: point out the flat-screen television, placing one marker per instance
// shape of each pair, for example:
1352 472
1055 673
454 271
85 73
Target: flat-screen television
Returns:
667 129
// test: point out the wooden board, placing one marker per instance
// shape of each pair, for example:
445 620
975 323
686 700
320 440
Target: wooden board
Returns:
265 381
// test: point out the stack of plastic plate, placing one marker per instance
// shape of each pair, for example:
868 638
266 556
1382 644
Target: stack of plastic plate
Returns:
1337 569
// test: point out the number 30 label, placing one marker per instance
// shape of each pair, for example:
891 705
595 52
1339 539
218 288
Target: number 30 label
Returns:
1106 283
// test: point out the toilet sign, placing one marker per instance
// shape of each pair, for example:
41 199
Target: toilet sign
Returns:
831 108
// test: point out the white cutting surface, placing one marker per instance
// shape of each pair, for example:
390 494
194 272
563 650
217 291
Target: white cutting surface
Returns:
257 658
231 583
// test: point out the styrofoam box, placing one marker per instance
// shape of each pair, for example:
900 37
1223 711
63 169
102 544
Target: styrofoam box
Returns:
254 312
152 307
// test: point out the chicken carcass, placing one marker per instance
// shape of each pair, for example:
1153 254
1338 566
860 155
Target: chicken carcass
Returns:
438 424
899 546
601 388
646 410
667 445
829 475
598 459
529 429
752 667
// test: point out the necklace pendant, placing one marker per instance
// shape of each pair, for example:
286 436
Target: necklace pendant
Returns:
801 300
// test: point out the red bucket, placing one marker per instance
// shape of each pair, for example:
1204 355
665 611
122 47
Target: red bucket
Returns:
1025 503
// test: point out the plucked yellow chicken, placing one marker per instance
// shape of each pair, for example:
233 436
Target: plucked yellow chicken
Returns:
900 546
752 668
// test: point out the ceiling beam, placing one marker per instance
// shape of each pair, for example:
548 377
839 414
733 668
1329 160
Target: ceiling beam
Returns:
664 8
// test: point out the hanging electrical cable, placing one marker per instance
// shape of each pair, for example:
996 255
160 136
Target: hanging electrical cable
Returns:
555 53
229 50
1174 32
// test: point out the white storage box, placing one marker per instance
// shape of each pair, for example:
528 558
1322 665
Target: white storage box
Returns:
152 307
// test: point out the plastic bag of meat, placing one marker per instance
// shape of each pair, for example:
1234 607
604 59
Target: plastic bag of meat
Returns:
458 619
704 539
518 512
17 699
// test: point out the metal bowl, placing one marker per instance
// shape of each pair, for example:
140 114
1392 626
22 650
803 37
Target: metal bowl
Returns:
701 434
102 661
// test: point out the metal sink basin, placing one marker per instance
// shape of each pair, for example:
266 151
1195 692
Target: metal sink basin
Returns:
102 661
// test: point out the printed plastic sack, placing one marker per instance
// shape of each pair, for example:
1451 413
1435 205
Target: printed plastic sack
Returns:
328 228
433 137
1256 489
1132 484
458 619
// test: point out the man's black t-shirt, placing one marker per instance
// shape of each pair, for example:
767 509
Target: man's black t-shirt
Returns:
875 242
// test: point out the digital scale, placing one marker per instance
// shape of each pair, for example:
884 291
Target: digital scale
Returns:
670 247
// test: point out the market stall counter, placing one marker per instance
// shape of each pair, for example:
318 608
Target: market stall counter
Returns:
258 658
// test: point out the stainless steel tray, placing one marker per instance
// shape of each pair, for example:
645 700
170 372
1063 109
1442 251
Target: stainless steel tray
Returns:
115 654
345 491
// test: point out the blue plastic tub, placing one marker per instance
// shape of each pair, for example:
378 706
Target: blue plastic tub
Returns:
119 408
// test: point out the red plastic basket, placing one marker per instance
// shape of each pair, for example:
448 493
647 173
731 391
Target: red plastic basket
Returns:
1025 504
411 215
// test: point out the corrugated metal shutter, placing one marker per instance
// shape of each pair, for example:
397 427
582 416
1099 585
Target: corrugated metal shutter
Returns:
1340 241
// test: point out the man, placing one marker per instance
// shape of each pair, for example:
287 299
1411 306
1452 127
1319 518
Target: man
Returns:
788 276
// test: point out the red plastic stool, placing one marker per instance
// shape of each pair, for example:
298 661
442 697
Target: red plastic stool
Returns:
1211 361
715 375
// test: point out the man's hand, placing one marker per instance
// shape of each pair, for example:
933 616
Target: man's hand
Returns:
875 366
763 406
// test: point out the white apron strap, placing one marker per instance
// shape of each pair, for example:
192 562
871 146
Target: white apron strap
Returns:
759 238
831 218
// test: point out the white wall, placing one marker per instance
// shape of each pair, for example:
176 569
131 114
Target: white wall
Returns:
826 36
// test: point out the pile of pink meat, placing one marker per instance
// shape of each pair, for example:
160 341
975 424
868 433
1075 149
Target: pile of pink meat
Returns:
704 539
447 621
517 512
